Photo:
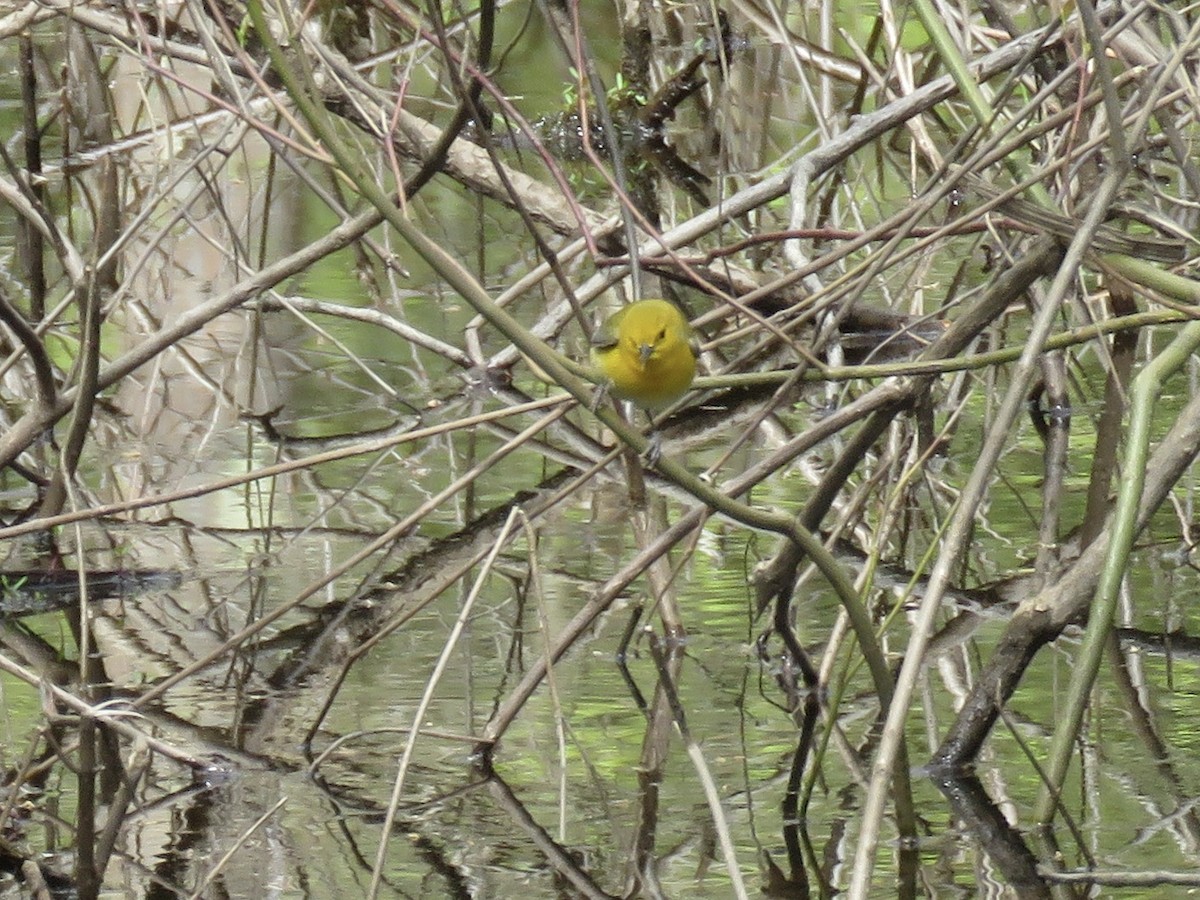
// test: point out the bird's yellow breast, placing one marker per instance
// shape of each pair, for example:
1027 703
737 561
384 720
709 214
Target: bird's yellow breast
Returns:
644 352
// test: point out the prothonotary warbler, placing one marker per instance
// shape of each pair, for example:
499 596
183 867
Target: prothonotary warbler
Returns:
645 355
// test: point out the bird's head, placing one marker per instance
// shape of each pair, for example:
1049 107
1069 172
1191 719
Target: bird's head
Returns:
646 339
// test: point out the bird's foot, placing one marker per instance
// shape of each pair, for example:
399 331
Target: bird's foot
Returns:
653 452
599 396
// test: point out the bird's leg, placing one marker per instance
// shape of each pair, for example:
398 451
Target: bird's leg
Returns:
653 451
599 396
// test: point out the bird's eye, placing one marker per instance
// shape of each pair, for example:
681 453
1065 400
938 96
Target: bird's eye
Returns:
662 335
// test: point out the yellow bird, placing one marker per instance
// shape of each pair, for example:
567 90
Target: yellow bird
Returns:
645 354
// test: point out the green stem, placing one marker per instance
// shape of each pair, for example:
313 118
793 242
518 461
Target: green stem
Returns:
1147 388
1151 275
981 107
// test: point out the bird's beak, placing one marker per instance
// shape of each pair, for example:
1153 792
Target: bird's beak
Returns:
645 351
